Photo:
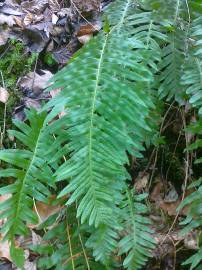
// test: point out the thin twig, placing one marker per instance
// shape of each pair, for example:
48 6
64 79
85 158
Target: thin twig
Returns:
4 116
185 179
70 245
82 245
82 15
157 149
35 66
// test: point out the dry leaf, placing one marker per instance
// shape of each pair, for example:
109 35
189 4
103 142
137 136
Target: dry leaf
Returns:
54 5
32 103
87 5
4 249
5 19
55 92
4 95
171 194
34 6
84 39
30 265
54 19
44 211
171 208
36 239
88 29
36 82
5 34
28 19
19 22
65 12
191 240
141 182
157 191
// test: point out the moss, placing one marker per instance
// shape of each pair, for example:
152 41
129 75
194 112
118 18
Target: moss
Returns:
15 62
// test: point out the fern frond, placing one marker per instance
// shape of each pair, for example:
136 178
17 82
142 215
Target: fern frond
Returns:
193 220
192 76
106 116
66 250
173 59
137 242
32 173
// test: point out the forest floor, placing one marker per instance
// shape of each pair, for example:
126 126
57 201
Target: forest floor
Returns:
39 37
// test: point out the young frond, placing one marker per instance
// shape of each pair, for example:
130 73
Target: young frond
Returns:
173 57
137 242
192 76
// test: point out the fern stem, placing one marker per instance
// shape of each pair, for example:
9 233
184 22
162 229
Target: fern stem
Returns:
149 34
70 244
93 104
82 245
132 214
124 15
177 10
18 201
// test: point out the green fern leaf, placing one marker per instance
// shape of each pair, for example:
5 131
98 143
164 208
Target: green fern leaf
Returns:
32 172
137 242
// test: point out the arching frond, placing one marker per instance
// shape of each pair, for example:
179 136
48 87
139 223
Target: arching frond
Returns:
32 172
137 242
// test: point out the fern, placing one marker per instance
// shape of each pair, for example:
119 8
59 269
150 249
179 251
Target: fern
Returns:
137 242
192 77
33 176
108 96
106 116
69 235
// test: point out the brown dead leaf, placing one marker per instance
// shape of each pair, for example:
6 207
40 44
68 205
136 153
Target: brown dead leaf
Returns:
44 211
28 19
54 5
18 21
88 29
4 249
3 198
171 208
62 55
4 36
87 5
4 95
84 39
34 6
141 182
191 240
36 239
36 82
32 103
157 191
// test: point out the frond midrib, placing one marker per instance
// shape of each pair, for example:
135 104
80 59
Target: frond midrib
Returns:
98 75
26 175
